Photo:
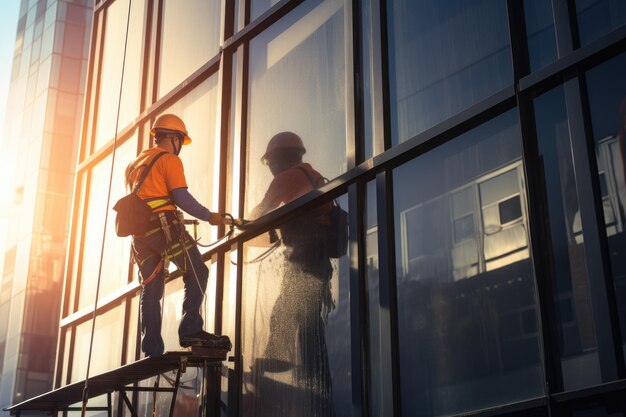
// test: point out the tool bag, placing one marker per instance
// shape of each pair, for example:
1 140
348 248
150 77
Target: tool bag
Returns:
133 214
336 231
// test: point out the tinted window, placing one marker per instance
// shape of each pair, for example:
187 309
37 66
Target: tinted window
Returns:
598 17
607 103
466 290
444 56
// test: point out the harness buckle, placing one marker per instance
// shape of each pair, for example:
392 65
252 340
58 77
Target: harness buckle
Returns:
165 226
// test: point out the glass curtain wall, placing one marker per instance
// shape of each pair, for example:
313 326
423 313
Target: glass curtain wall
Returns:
469 58
467 309
607 106
295 322
297 84
459 289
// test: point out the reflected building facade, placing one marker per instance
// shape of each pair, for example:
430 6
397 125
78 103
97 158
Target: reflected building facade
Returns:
478 149
40 144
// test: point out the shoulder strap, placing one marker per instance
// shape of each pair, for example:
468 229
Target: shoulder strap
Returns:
146 171
304 171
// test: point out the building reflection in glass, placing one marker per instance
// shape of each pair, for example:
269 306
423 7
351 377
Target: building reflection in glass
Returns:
466 293
607 105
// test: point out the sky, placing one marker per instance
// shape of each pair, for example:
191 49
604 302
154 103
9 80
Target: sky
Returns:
9 10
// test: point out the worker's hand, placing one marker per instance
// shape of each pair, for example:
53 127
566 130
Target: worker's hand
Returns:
230 221
216 219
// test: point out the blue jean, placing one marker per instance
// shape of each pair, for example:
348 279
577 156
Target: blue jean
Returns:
149 251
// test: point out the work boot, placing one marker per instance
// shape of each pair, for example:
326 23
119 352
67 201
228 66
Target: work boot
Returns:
205 339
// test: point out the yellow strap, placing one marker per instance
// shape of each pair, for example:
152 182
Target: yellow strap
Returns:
155 204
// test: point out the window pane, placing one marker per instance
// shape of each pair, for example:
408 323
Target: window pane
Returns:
579 353
105 355
258 7
190 37
540 31
296 323
111 71
115 262
467 312
599 17
607 102
297 84
444 56
198 109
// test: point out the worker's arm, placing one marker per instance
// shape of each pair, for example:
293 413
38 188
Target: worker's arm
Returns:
183 199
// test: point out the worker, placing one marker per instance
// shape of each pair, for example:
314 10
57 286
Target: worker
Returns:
164 189
297 323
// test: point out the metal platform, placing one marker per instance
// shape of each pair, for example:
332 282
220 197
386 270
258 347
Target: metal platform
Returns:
120 379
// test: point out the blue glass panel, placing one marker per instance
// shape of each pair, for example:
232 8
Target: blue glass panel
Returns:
444 56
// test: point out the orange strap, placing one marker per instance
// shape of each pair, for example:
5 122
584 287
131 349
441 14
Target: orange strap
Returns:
154 273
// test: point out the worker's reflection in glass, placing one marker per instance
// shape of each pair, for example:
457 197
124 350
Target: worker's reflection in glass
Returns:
297 324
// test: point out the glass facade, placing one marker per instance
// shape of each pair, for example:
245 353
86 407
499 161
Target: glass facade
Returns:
476 149
467 310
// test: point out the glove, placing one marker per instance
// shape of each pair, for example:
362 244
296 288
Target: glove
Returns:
216 219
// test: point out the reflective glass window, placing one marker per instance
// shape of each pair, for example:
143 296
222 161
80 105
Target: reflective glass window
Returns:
599 17
190 36
607 105
297 84
369 20
111 69
105 355
296 321
115 262
579 355
467 311
444 56
258 7
198 109
540 32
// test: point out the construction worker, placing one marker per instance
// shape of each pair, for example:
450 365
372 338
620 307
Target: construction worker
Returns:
297 330
164 189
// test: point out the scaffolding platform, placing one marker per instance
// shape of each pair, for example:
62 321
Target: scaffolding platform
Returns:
120 380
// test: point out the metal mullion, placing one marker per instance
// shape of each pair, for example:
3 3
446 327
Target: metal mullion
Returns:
238 319
90 142
596 247
563 29
390 375
540 245
350 38
144 65
518 38
358 297
241 120
382 106
357 82
90 83
157 52
227 19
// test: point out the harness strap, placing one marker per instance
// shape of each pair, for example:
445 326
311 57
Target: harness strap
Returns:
154 273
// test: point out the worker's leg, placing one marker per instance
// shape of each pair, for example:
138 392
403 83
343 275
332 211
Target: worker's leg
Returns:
150 264
151 294
195 277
